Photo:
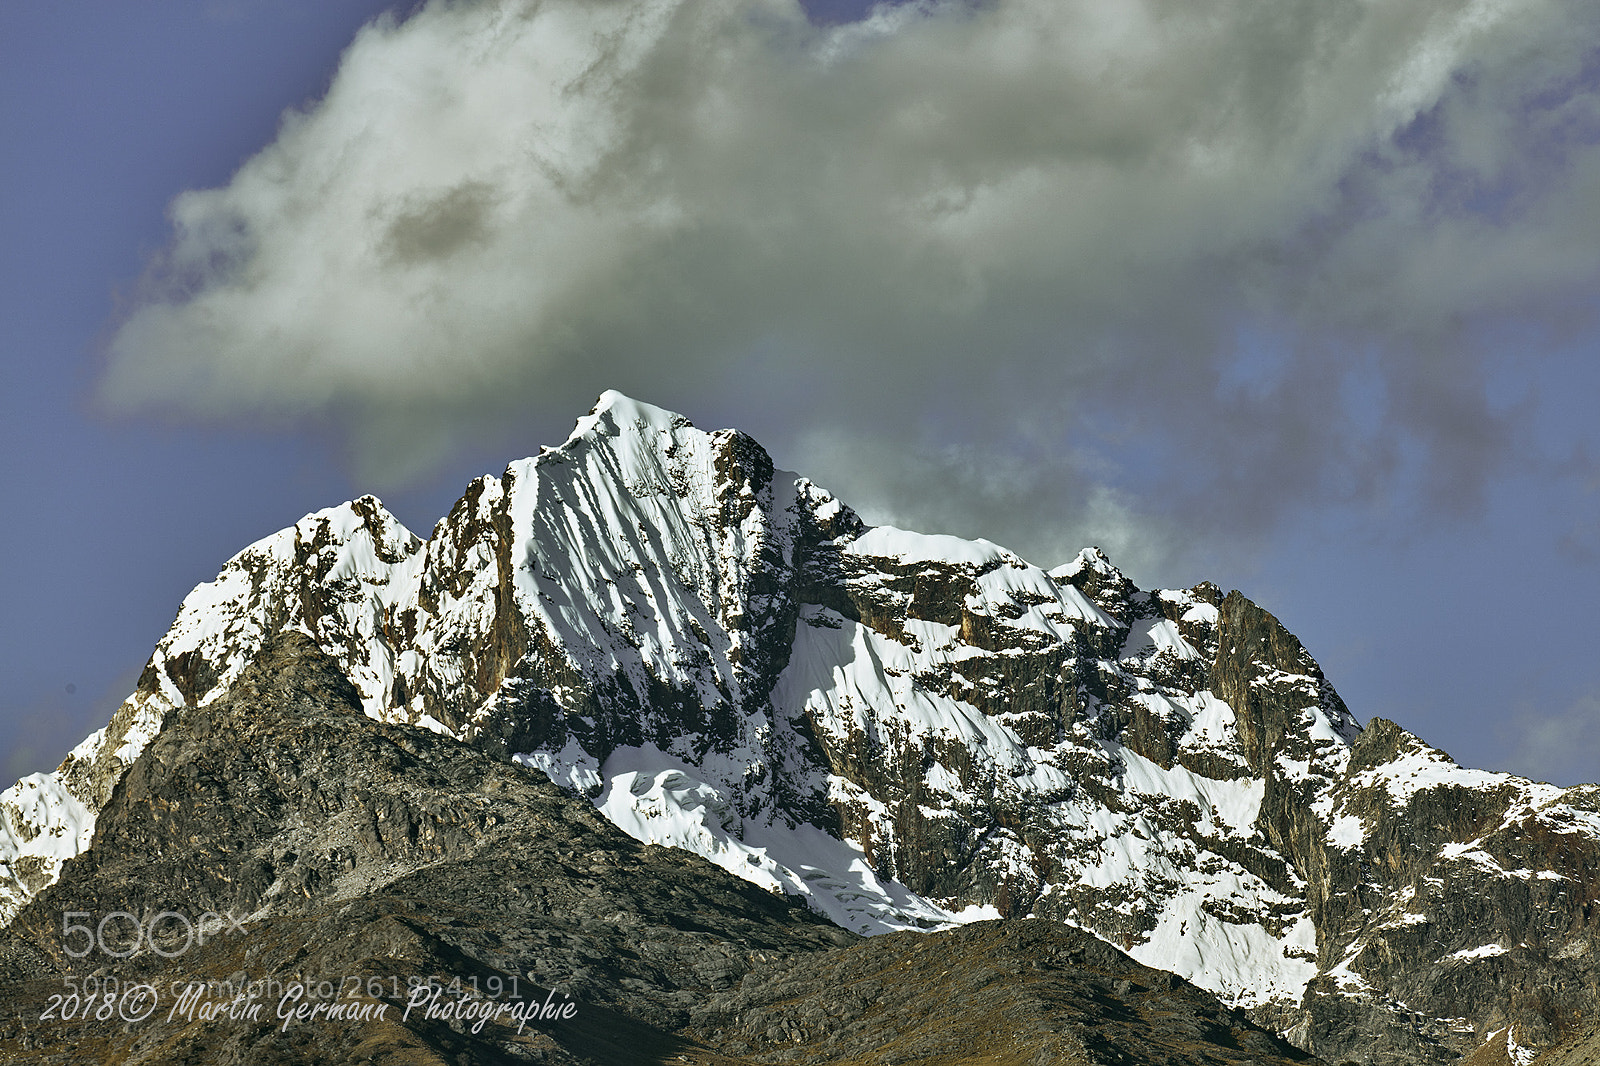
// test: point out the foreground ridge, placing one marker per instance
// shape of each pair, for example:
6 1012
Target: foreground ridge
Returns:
910 732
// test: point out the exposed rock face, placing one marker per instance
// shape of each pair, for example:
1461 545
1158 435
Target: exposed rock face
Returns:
1470 898
363 854
910 731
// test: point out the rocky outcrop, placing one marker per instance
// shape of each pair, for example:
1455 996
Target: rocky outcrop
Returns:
1468 897
1024 991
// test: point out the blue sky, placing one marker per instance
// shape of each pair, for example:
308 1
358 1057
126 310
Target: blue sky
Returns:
1321 329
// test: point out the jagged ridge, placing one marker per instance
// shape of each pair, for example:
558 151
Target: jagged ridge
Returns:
911 731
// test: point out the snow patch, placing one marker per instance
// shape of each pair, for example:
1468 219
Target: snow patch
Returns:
1486 951
42 824
887 542
1152 636
570 768
657 798
1347 832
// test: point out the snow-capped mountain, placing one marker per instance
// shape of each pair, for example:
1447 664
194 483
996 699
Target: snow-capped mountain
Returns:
912 731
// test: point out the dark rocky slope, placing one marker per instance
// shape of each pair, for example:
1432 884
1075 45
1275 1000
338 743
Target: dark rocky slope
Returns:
365 854
1025 991
1581 1049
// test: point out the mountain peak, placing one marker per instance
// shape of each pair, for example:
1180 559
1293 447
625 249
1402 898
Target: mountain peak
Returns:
1090 558
906 731
615 413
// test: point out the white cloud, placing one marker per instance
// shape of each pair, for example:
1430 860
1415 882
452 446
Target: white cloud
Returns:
1058 211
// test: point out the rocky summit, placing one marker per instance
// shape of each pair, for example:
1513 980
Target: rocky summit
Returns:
871 732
